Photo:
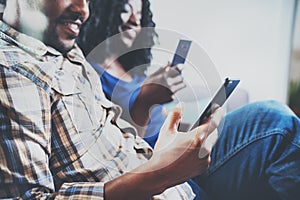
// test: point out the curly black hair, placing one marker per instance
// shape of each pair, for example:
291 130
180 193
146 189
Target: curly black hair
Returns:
103 23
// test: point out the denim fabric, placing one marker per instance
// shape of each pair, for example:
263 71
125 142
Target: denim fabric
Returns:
257 155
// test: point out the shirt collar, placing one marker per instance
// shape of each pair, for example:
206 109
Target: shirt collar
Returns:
46 60
25 42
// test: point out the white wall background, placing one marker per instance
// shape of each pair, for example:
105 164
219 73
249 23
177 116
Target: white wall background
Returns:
246 39
295 62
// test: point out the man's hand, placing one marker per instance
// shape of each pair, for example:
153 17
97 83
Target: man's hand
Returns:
185 155
177 157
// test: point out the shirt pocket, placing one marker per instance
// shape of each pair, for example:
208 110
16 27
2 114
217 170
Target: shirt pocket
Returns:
76 128
78 99
83 114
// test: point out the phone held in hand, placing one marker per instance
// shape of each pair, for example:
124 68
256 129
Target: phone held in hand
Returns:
181 52
217 101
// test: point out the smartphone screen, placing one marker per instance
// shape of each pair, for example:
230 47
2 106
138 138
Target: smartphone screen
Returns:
218 100
181 52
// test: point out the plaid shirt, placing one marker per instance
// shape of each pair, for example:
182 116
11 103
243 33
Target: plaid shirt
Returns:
61 138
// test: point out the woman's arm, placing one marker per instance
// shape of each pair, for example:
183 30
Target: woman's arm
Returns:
158 88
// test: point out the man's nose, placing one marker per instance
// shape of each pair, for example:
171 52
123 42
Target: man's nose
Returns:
82 7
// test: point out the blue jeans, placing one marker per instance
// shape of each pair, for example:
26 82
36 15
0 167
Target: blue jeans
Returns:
257 155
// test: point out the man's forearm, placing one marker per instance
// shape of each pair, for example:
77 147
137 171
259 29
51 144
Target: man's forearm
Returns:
142 183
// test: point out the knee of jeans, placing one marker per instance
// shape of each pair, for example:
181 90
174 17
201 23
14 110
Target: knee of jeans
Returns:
275 114
262 109
270 114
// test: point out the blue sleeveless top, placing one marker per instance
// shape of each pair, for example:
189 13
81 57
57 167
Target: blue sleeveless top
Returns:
124 94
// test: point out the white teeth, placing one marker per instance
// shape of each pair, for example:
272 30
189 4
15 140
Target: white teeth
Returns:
72 25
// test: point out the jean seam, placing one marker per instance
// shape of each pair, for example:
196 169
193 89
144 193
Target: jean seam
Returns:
242 146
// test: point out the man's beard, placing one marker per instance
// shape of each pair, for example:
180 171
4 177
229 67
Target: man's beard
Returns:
55 42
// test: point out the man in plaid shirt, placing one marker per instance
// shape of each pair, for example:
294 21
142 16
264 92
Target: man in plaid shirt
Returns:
60 138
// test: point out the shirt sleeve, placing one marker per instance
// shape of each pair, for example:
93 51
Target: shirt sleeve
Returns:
25 135
80 190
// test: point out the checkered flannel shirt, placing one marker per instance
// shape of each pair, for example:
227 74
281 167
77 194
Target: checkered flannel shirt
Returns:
58 133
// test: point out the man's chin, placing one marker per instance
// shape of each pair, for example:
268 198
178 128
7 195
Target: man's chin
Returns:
63 47
66 48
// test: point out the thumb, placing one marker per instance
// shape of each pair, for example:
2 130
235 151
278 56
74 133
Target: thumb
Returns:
172 121
169 128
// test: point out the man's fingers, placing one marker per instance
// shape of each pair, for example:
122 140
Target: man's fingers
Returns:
215 119
172 121
208 133
208 144
203 131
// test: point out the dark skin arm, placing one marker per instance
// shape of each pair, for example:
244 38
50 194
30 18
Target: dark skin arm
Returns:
176 159
158 88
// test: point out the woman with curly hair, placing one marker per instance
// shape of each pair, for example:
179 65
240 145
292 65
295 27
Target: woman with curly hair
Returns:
117 39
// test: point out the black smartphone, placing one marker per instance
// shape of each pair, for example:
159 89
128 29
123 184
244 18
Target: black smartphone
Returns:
218 100
181 52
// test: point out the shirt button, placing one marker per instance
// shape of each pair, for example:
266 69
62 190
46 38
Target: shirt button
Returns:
60 73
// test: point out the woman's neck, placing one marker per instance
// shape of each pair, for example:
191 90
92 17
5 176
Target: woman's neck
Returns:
114 68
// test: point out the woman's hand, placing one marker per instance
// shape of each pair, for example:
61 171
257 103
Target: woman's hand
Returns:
158 88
